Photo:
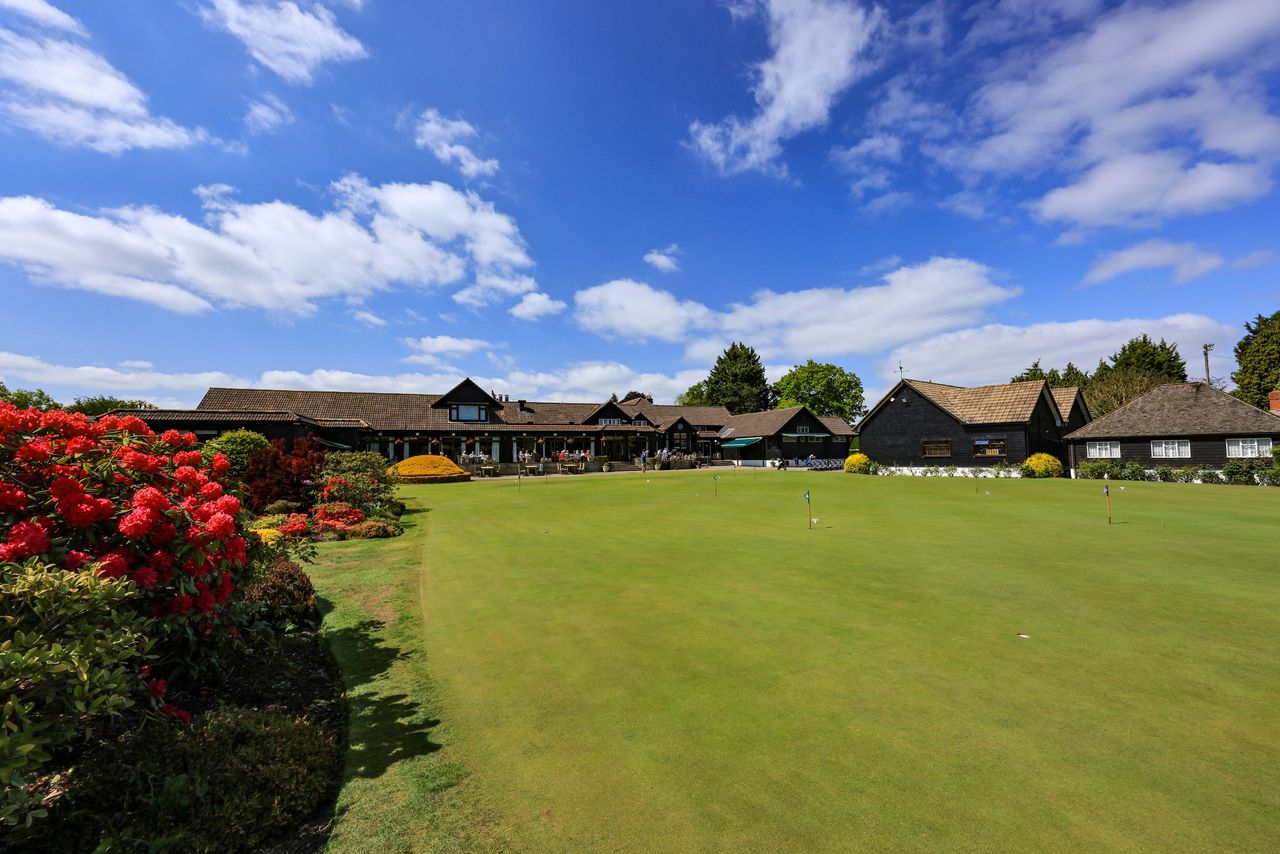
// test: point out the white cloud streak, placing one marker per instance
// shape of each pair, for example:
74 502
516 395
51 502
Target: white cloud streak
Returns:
536 306
664 260
45 14
817 55
291 41
1187 261
442 137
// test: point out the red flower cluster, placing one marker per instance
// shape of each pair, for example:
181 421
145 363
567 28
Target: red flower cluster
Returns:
111 497
336 515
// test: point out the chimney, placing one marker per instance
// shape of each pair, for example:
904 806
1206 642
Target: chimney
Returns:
520 406
1275 402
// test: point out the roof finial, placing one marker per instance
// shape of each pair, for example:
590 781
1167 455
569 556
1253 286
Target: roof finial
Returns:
901 371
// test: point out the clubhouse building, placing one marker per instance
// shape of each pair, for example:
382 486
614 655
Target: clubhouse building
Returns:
468 420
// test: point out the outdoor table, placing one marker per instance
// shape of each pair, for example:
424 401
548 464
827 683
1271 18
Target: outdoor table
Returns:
532 469
569 468
488 471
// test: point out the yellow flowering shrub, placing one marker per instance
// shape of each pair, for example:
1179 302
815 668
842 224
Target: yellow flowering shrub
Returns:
427 468
858 463
1042 465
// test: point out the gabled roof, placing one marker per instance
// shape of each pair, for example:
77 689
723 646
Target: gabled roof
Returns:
1066 398
1007 403
1181 409
467 383
836 425
605 407
666 413
758 423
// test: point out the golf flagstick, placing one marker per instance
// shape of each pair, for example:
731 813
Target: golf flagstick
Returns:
1106 490
808 503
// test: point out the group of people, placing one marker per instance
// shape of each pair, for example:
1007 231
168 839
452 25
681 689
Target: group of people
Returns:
529 457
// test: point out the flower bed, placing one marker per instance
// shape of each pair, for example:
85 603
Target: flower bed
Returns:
428 468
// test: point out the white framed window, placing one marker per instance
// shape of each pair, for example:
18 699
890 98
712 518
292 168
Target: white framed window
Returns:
1248 448
1102 450
800 428
609 422
1170 449
468 412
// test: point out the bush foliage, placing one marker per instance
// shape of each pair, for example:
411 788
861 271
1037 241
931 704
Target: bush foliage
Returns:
236 445
285 594
71 650
372 529
858 463
282 472
227 783
359 478
1041 465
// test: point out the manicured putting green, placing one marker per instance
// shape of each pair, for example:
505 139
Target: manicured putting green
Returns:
634 663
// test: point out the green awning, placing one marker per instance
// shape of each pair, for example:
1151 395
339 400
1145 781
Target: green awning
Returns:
740 443
329 443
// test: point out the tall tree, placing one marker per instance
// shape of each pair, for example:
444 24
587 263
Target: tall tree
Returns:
103 403
28 398
1115 387
1068 377
629 395
1258 360
1034 372
737 381
694 395
825 388
1144 355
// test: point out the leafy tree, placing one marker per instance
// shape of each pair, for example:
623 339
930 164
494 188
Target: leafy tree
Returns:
1117 386
695 395
737 381
825 388
613 398
1144 355
28 398
103 403
633 394
1258 360
1068 377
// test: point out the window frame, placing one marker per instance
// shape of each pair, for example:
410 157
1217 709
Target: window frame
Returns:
1004 449
924 449
1258 442
1090 447
455 413
1178 446
610 422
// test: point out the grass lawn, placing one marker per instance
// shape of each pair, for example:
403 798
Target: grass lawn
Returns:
633 663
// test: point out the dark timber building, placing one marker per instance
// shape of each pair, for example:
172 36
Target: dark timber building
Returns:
923 424
1178 425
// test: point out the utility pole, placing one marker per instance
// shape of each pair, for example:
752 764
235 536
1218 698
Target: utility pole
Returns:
1208 379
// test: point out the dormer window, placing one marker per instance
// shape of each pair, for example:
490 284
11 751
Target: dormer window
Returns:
610 422
468 412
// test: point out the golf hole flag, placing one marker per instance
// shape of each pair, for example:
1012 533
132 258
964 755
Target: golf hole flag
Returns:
808 505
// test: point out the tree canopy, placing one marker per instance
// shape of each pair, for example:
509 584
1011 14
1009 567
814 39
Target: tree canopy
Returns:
694 395
1117 386
101 404
1144 355
1068 377
633 394
28 398
1258 360
737 381
825 388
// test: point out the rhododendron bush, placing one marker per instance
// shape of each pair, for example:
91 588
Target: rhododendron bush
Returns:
112 498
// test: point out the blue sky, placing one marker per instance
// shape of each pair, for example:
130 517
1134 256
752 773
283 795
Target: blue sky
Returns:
569 199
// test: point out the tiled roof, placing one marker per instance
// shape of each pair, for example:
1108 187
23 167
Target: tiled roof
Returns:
1065 398
836 425
667 413
758 423
216 415
1008 403
1181 409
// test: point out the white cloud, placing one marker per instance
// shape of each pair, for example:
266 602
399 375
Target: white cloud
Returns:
664 260
490 287
267 115
96 378
136 365
914 301
441 136
368 318
270 255
445 345
1188 261
45 14
291 41
537 305
633 310
880 265
816 46
993 353
887 203
1257 258
74 96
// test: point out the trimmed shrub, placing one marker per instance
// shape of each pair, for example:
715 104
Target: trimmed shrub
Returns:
427 468
237 445
394 509
372 529
271 520
359 478
858 463
1271 477
282 507
1165 474
1243 472
1041 465
1133 471
336 515
228 782
71 652
285 594
1210 476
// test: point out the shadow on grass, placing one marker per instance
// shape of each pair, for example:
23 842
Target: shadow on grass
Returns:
385 727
